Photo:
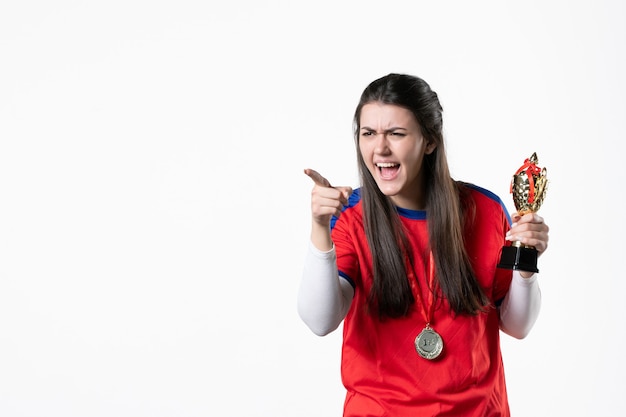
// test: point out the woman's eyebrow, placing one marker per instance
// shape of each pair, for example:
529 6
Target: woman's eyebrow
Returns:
386 130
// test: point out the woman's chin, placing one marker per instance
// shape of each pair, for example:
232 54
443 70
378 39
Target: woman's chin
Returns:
388 189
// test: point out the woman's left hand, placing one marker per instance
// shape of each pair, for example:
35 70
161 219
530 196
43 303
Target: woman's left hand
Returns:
530 230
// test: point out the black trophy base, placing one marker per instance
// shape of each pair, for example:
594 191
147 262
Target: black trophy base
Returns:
519 258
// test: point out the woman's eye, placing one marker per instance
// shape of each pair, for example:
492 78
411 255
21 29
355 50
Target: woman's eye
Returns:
400 134
367 133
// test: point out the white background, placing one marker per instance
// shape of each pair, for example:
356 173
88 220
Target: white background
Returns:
154 215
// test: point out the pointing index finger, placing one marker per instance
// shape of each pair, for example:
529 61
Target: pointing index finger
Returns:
317 178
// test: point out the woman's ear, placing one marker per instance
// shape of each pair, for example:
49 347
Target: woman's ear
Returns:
430 147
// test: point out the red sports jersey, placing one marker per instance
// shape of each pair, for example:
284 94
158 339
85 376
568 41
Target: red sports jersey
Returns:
381 370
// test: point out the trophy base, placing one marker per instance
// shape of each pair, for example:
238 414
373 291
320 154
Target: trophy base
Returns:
519 258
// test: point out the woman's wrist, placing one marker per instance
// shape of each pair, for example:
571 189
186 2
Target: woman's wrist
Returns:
320 237
526 274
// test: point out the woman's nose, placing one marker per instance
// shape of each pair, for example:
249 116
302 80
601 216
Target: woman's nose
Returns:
382 145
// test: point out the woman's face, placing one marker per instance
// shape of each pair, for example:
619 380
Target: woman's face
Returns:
393 149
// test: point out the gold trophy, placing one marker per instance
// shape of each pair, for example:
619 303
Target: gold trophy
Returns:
528 186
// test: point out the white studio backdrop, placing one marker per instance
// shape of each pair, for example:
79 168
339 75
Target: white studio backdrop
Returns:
154 215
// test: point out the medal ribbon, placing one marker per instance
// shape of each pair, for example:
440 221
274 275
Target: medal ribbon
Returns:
427 311
531 169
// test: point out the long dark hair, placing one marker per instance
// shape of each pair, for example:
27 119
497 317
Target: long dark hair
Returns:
391 293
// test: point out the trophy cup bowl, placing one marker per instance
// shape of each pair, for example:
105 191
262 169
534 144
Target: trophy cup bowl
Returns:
528 186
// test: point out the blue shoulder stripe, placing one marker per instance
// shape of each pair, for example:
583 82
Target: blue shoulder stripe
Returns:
493 197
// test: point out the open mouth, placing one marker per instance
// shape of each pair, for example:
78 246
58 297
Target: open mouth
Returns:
388 170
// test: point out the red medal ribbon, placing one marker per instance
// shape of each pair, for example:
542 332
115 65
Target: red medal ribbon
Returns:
426 312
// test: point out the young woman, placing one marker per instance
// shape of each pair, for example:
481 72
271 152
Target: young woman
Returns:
408 262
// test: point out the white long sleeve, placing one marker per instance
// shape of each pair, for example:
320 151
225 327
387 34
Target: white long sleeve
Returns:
520 308
323 297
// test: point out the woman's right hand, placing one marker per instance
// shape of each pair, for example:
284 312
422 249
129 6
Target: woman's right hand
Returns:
326 202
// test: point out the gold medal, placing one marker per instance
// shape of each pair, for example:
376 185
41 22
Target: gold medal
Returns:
429 344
